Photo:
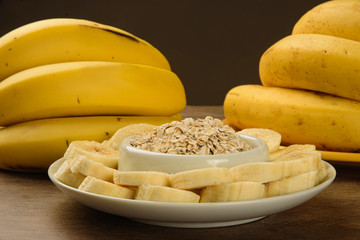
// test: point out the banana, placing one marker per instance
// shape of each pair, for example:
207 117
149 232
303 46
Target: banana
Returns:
283 152
80 164
165 194
314 62
292 184
298 163
336 18
301 117
199 178
98 186
33 146
90 88
310 160
227 122
66 176
66 40
270 137
228 192
93 150
127 131
261 172
322 173
138 178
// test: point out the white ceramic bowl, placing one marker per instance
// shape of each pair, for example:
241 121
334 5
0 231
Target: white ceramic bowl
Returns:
134 159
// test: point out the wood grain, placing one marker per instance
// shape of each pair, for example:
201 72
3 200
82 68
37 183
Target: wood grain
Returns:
31 207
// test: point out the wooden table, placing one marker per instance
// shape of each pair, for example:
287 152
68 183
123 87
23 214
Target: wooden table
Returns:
31 207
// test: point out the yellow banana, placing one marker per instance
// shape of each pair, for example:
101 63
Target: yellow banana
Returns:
89 88
34 145
336 18
315 62
301 117
65 39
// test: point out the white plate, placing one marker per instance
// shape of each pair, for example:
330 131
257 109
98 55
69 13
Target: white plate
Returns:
191 215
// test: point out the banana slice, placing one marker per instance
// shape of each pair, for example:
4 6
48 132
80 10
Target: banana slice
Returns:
322 173
165 194
282 152
237 191
261 172
94 151
137 178
199 178
64 175
98 186
270 137
292 184
296 163
127 131
87 167
299 162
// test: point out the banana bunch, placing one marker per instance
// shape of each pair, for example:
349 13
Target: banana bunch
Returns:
63 80
310 89
91 167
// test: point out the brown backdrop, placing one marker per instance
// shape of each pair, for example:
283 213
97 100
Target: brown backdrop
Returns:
211 45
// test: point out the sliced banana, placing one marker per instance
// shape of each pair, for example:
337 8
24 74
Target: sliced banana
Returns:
270 137
92 166
322 173
282 152
94 151
237 191
261 172
291 184
294 164
98 186
137 178
87 167
299 162
127 131
64 175
165 194
199 178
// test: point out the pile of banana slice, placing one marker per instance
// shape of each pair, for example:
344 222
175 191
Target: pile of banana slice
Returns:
92 167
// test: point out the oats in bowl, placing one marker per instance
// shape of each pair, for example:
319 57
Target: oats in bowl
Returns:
207 136
190 144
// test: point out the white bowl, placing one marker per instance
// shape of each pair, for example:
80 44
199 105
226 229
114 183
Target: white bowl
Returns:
134 159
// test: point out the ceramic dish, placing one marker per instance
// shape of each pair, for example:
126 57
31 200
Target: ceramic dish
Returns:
134 159
191 215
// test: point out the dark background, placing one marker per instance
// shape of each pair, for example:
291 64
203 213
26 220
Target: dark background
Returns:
211 45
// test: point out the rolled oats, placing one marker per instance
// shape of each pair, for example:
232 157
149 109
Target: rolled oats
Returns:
207 136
